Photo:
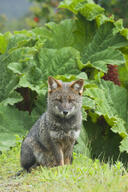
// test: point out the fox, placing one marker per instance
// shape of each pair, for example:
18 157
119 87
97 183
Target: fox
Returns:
51 139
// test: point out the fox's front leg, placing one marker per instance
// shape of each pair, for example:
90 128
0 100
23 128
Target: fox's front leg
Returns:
58 154
68 154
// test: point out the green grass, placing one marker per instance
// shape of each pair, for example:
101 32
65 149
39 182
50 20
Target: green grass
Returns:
84 175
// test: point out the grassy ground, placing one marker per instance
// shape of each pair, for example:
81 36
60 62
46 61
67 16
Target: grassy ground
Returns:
84 175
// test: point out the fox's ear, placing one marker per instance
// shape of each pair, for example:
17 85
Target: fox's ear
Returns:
53 84
78 86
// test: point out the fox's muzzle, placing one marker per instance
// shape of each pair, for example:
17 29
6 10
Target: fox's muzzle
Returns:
65 112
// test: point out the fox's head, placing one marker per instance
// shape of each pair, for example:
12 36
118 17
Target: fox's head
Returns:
64 99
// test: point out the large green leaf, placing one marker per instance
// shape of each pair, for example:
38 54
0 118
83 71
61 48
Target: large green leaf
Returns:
123 75
86 8
22 39
68 33
4 41
90 11
13 97
62 61
18 49
9 80
57 35
73 5
103 49
13 122
34 72
124 145
110 102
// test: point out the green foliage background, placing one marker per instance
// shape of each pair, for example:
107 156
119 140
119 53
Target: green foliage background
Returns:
80 47
116 7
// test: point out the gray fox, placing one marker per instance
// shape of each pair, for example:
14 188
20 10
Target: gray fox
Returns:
51 140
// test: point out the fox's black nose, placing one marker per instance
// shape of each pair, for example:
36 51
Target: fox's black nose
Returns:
65 112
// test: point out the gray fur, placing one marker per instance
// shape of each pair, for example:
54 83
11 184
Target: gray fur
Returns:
51 139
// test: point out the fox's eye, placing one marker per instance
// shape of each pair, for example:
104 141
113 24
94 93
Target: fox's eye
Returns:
59 99
71 100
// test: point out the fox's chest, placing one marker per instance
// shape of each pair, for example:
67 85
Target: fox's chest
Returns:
65 136
65 130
